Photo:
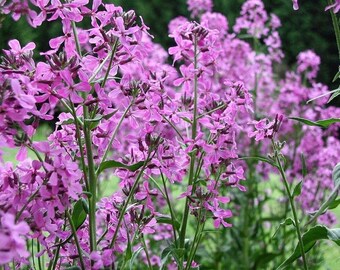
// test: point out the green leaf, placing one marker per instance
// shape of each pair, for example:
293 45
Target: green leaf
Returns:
168 220
287 222
309 239
337 75
108 116
93 122
304 167
128 252
177 253
68 122
85 205
332 196
73 268
336 174
186 119
333 96
259 158
95 119
321 123
134 256
79 213
334 204
116 164
297 189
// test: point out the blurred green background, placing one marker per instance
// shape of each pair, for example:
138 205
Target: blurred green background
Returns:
308 28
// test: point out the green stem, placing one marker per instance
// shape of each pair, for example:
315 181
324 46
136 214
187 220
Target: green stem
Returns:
246 235
200 226
32 250
113 52
74 232
292 204
115 133
80 145
191 252
127 201
53 263
171 210
325 205
39 258
76 39
68 108
92 184
211 111
335 26
30 199
192 155
174 127
146 252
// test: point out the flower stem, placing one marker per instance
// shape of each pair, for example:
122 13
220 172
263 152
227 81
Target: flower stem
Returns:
74 232
76 39
197 232
335 26
80 145
192 156
146 251
171 210
115 133
127 201
292 204
92 184
113 52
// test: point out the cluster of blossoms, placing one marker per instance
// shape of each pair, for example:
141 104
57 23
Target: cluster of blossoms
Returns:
127 113
289 97
121 101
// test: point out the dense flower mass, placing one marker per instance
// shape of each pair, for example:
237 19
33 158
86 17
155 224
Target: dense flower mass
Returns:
166 134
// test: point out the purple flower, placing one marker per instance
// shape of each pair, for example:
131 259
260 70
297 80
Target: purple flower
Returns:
197 7
12 244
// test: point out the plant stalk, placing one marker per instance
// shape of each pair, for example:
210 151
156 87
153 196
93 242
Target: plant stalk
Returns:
192 155
292 205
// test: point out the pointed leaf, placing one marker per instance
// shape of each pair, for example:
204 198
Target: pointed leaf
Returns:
259 158
288 221
79 213
334 204
321 123
177 254
67 122
297 190
337 75
108 116
128 252
309 239
116 164
333 96
134 256
336 174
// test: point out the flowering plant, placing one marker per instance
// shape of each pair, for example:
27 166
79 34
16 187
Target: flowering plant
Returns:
176 140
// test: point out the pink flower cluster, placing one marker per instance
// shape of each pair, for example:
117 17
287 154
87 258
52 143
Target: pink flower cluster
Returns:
116 98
